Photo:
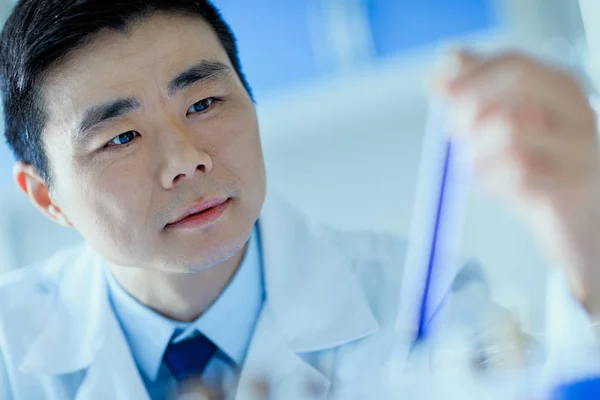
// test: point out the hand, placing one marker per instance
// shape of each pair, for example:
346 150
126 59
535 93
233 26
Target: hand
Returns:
532 136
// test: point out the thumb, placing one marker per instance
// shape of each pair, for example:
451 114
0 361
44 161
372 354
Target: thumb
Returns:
453 65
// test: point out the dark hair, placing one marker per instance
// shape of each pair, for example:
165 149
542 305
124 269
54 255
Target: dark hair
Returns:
40 33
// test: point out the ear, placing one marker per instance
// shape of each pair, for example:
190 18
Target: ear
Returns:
36 190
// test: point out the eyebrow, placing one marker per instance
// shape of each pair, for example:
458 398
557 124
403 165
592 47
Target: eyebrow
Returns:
204 71
106 111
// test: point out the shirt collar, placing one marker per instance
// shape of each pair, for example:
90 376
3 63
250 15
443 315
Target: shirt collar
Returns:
229 323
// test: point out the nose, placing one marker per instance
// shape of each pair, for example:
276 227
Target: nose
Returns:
183 160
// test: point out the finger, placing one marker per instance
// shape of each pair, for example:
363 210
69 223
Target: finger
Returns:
467 59
450 66
524 128
506 150
261 389
534 201
506 177
470 118
511 125
479 76
518 76
506 169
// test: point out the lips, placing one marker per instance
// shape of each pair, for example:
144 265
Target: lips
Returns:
200 211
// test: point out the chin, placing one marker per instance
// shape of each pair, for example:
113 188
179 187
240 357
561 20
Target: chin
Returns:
191 256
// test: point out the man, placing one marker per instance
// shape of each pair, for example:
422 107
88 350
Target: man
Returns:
133 123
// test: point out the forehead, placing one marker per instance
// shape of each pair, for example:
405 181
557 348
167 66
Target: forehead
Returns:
119 64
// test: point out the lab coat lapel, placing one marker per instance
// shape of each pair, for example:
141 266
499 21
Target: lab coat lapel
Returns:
81 333
271 359
313 301
314 295
113 373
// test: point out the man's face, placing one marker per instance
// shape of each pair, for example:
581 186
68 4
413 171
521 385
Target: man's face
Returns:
177 137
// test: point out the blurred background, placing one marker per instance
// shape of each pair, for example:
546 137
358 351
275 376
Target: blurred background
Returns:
341 96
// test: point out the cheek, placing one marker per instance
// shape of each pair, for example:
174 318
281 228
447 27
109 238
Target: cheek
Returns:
239 148
122 193
110 207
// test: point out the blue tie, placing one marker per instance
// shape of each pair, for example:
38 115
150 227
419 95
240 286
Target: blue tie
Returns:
190 357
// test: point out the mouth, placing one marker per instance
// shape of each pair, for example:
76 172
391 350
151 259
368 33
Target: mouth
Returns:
200 214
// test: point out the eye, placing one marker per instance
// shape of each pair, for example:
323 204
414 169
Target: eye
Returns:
123 139
201 106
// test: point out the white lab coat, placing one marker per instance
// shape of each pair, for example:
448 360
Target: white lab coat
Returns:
329 316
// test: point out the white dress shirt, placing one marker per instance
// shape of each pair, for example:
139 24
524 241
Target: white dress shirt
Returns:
229 323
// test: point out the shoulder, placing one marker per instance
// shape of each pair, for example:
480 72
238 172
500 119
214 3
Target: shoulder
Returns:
370 255
360 248
22 288
27 297
377 262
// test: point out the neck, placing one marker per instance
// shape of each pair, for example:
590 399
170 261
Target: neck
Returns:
178 296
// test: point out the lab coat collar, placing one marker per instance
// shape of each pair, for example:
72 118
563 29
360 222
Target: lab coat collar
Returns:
313 302
74 332
83 332
271 360
313 295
